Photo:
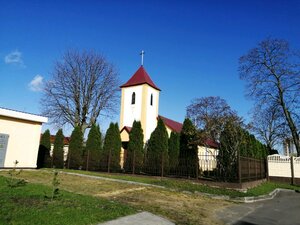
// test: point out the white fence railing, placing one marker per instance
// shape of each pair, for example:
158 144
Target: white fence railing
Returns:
296 166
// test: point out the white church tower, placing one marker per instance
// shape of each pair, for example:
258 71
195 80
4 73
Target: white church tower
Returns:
139 101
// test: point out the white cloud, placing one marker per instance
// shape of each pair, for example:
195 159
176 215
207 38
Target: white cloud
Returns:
14 57
36 84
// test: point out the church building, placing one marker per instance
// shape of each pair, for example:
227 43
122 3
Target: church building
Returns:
140 102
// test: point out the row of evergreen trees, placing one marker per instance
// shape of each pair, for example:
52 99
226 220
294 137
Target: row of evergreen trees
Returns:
160 155
94 155
44 158
236 144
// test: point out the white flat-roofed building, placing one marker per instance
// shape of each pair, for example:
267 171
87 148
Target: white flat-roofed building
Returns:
19 138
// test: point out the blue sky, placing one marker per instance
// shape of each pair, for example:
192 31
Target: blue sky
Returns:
192 47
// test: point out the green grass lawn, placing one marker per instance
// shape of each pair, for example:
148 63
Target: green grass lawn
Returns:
187 185
28 205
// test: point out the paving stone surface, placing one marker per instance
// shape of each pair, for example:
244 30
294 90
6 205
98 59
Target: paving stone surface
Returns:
143 218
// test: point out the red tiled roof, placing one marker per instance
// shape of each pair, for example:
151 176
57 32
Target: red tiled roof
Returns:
176 126
66 140
128 129
52 139
211 143
140 77
173 125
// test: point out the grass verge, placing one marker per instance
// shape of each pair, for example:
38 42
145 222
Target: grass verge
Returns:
181 208
190 186
27 205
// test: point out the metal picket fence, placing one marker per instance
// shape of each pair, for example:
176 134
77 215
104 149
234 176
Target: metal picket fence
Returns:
205 166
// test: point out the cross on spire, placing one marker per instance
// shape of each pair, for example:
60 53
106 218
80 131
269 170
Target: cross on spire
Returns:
142 54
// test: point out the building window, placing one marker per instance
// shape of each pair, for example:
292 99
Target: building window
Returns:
151 99
133 98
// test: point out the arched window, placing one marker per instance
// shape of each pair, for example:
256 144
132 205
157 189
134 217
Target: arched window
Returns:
133 98
151 99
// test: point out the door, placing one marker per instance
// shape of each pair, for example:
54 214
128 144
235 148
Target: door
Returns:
3 148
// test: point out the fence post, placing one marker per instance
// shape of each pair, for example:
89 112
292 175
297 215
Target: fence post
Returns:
260 169
197 169
87 160
239 168
109 159
292 171
249 168
133 162
255 162
162 165
267 168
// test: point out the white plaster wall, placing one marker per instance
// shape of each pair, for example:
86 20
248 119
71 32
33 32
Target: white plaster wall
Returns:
169 131
23 142
122 157
151 111
207 158
132 112
66 149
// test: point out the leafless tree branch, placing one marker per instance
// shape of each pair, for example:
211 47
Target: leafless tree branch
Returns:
272 73
83 84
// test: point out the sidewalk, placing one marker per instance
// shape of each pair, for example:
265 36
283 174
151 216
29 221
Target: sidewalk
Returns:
143 218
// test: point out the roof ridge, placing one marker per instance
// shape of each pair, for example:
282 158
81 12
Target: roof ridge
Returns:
19 111
140 77
172 124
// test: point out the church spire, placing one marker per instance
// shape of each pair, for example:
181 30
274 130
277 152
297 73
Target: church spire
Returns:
140 77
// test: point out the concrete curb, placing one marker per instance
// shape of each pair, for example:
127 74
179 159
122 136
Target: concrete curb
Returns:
249 199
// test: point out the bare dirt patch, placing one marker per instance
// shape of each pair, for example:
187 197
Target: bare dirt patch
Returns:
181 208
120 192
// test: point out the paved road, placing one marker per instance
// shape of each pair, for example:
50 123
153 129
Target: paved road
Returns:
284 209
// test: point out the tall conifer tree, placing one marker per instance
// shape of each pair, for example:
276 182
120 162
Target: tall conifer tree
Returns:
93 149
44 159
188 156
231 139
157 158
135 151
111 149
75 152
115 166
174 145
58 150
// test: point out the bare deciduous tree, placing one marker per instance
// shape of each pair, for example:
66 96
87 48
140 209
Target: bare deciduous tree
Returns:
83 85
210 114
272 73
269 125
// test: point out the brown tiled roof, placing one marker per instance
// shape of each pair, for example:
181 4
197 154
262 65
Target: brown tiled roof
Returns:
140 77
